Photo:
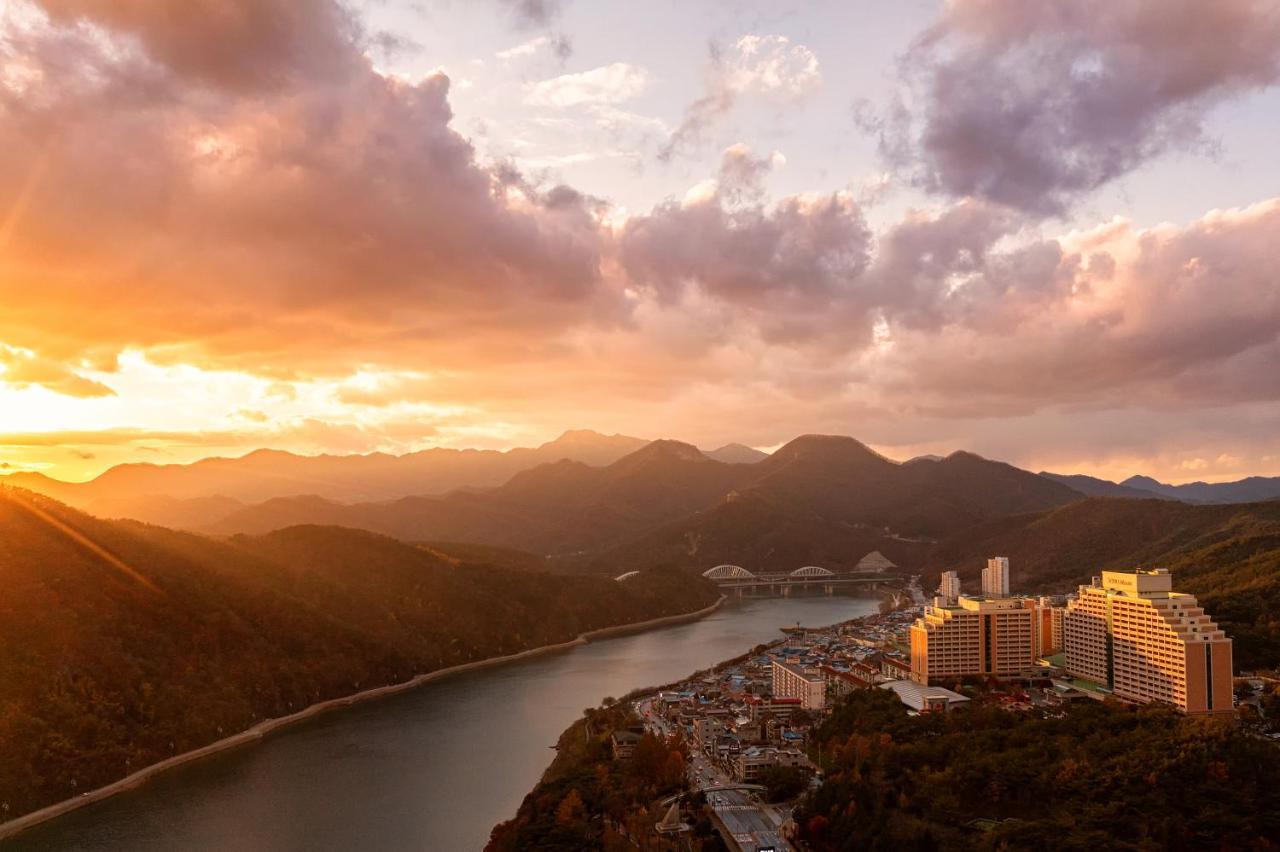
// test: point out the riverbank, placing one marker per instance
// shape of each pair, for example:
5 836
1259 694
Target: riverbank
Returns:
611 799
261 730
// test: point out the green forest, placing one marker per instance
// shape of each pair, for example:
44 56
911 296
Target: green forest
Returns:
1091 776
125 644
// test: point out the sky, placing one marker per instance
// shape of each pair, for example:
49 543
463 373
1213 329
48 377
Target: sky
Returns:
1043 232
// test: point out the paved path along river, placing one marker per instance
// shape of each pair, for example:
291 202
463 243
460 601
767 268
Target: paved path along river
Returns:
433 768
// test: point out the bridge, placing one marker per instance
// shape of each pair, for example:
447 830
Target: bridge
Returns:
743 583
715 788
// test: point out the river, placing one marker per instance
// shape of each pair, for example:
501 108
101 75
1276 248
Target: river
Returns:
432 768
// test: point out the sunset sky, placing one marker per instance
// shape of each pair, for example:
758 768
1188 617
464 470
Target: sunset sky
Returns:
1043 231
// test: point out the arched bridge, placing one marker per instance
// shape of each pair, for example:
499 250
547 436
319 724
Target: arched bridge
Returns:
743 582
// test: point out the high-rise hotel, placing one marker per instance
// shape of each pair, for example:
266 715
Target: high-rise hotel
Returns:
1133 633
981 637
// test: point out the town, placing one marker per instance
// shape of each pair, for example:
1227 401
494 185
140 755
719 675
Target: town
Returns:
745 723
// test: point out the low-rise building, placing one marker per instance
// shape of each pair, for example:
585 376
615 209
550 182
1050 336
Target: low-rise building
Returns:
925 699
624 744
750 766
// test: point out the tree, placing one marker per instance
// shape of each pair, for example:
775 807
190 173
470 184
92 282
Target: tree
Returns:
570 811
784 782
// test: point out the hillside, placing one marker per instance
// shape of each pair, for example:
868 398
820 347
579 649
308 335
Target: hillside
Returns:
1229 556
830 500
127 643
1092 486
1093 776
554 508
155 493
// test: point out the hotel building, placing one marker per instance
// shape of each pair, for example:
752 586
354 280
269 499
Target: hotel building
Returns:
995 578
977 637
1146 642
794 681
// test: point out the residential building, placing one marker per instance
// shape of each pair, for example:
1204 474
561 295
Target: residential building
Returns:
949 588
995 578
1146 642
624 744
791 680
752 763
841 682
925 699
1046 625
894 667
1059 629
979 637
706 731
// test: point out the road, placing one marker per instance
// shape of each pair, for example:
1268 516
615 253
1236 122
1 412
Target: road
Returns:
748 825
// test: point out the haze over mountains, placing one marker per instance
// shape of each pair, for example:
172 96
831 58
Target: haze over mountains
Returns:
1246 490
594 500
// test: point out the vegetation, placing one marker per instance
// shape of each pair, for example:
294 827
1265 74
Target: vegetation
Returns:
1093 775
588 799
125 644
783 783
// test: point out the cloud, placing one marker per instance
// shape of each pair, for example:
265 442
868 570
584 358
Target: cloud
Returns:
1167 317
294 216
787 261
231 203
608 84
559 45
23 368
532 14
1035 104
767 66
230 43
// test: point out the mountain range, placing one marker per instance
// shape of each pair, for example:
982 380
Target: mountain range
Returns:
1248 490
141 640
202 494
816 498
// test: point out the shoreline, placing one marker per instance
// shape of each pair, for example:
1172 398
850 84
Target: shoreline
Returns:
261 730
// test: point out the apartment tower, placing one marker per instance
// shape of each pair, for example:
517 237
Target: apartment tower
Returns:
949 588
1146 642
977 637
995 578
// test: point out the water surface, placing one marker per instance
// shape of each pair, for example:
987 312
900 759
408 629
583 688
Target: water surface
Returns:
432 768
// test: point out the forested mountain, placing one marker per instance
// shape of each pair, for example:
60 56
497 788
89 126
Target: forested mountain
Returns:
816 498
737 454
125 643
1248 490
1092 486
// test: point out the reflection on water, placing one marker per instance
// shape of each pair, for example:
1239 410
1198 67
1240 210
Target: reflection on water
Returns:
432 768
